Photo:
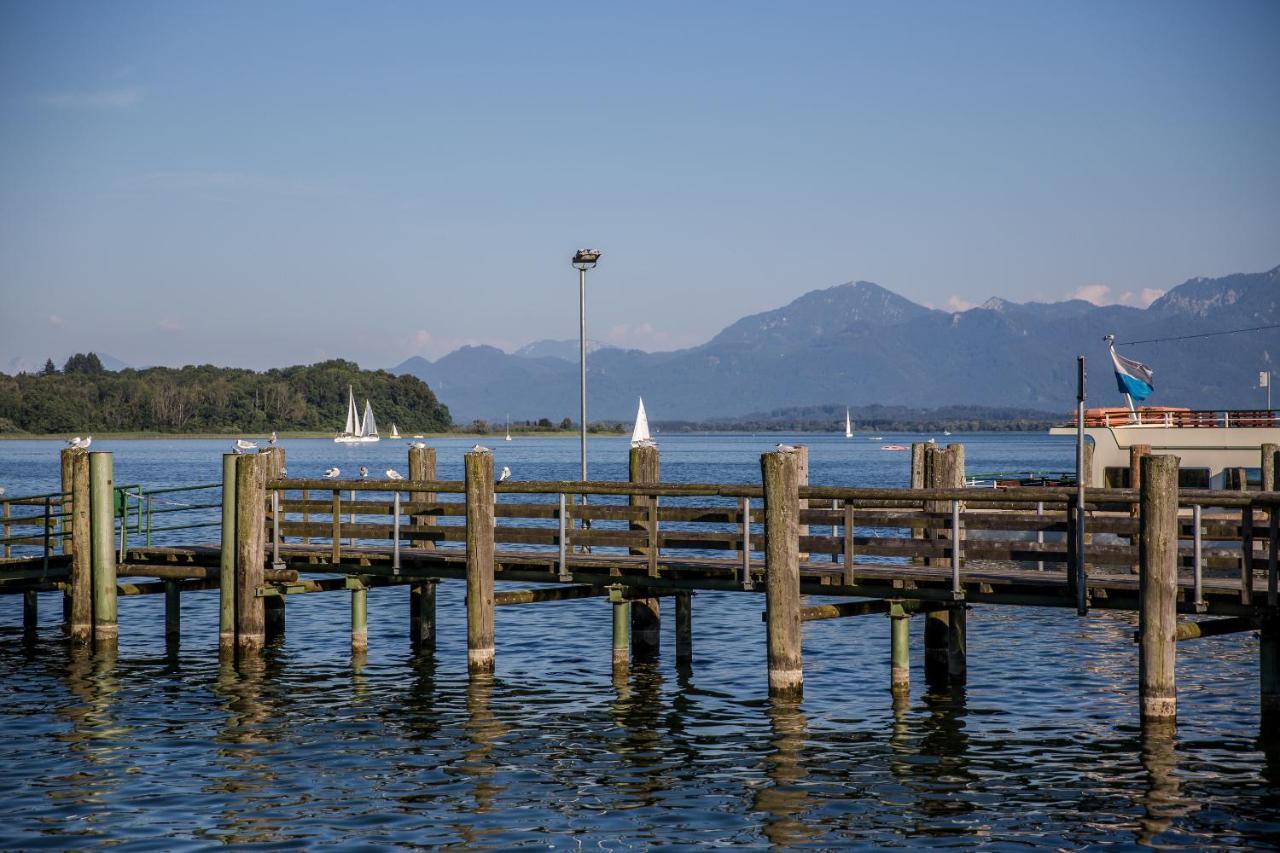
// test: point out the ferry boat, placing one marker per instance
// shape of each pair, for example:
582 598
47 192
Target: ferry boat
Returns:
1213 445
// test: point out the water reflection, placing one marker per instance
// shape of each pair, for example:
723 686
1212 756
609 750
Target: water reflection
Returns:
1161 801
94 735
784 801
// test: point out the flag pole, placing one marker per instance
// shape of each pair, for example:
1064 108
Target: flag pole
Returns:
1082 604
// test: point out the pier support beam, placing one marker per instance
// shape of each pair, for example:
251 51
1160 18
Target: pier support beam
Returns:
1269 666
937 630
172 613
251 537
1158 587
478 481
646 613
273 608
621 608
30 611
359 615
81 550
422 616
899 650
957 645
227 564
684 629
106 631
781 475
1270 452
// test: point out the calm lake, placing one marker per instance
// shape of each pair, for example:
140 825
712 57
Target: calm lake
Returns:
310 746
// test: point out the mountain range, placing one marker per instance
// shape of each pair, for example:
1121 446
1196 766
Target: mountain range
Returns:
861 344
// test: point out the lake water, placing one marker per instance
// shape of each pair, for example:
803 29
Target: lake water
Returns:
311 746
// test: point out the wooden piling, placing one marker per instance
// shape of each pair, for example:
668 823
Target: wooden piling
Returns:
250 551
646 615
103 552
957 645
422 616
30 611
937 657
359 615
1158 587
802 471
422 467
172 613
478 482
781 475
899 650
227 558
66 469
273 608
1269 665
684 628
81 550
1270 452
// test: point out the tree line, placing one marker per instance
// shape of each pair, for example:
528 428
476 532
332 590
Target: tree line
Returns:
84 397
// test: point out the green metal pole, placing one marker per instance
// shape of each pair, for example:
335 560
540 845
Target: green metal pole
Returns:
102 527
621 637
359 619
227 566
900 644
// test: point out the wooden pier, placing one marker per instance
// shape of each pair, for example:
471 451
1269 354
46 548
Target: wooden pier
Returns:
934 551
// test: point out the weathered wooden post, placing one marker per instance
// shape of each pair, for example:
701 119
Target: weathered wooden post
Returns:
1269 454
172 613
251 633
359 615
81 550
781 475
899 650
30 612
952 477
621 608
102 513
422 595
802 465
1269 665
478 481
273 607
1087 473
227 557
1158 587
646 615
684 628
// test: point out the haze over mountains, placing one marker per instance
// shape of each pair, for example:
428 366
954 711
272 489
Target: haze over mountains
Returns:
861 344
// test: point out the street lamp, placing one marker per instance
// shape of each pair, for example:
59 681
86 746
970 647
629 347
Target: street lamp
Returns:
583 260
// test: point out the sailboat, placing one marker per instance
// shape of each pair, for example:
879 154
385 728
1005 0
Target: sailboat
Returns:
357 430
640 434
395 433
848 425
508 438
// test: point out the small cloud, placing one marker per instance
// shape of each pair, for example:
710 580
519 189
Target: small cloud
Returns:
421 339
956 304
1100 294
1095 293
56 321
170 325
1147 296
103 100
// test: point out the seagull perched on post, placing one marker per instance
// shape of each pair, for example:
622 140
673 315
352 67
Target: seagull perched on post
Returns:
393 474
787 448
418 444
79 443
480 448
272 441
364 471
644 442
505 475
244 444
332 473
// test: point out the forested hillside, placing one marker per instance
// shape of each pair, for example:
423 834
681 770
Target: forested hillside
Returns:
83 398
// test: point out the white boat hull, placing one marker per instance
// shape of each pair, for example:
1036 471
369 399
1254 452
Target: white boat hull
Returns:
356 439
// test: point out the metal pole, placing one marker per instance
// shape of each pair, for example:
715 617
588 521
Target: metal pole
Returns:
395 535
1081 581
956 589
582 363
1197 559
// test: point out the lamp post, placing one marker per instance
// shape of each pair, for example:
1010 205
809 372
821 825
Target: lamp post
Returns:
583 260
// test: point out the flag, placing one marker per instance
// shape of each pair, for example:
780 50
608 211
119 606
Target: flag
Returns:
1132 377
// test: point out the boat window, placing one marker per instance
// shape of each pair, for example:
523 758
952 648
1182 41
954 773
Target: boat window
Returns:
1193 478
1116 478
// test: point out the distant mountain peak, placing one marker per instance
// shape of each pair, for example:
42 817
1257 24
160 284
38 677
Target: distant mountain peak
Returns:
566 350
995 303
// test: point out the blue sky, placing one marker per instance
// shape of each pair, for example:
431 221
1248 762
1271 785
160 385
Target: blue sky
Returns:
262 184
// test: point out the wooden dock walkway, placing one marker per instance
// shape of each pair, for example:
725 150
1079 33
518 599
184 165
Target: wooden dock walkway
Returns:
933 550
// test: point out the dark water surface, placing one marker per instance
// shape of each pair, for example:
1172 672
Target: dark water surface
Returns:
310 746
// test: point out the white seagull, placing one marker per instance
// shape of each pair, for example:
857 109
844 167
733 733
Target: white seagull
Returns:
505 475
787 448
393 474
331 473
243 444
418 444
644 442
364 471
480 448
79 443
1 491
272 441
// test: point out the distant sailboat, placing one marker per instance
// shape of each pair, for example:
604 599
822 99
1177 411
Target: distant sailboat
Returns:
395 433
508 438
848 425
357 430
640 434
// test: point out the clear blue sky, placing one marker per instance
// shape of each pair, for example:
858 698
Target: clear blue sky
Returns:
262 184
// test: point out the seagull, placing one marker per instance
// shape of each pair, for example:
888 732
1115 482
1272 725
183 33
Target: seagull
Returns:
787 448
284 472
243 444
480 448
1 491
644 442
331 473
418 444
272 441
364 471
235 448
393 474
79 443
505 475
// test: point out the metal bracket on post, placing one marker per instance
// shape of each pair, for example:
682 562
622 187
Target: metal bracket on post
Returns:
1197 560
395 534
562 539
746 544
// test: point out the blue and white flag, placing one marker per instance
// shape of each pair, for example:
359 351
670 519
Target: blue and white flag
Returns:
1132 377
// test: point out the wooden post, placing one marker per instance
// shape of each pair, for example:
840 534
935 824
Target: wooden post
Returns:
646 614
1269 665
957 644
937 663
478 481
1158 587
30 611
81 550
422 467
227 557
422 616
1269 454
900 650
684 628
359 616
621 636
1087 473
273 607
1136 452
781 475
251 516
103 553
172 613
66 508
802 466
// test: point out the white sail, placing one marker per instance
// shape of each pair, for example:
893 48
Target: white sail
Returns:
395 433
848 425
641 431
368 426
352 423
